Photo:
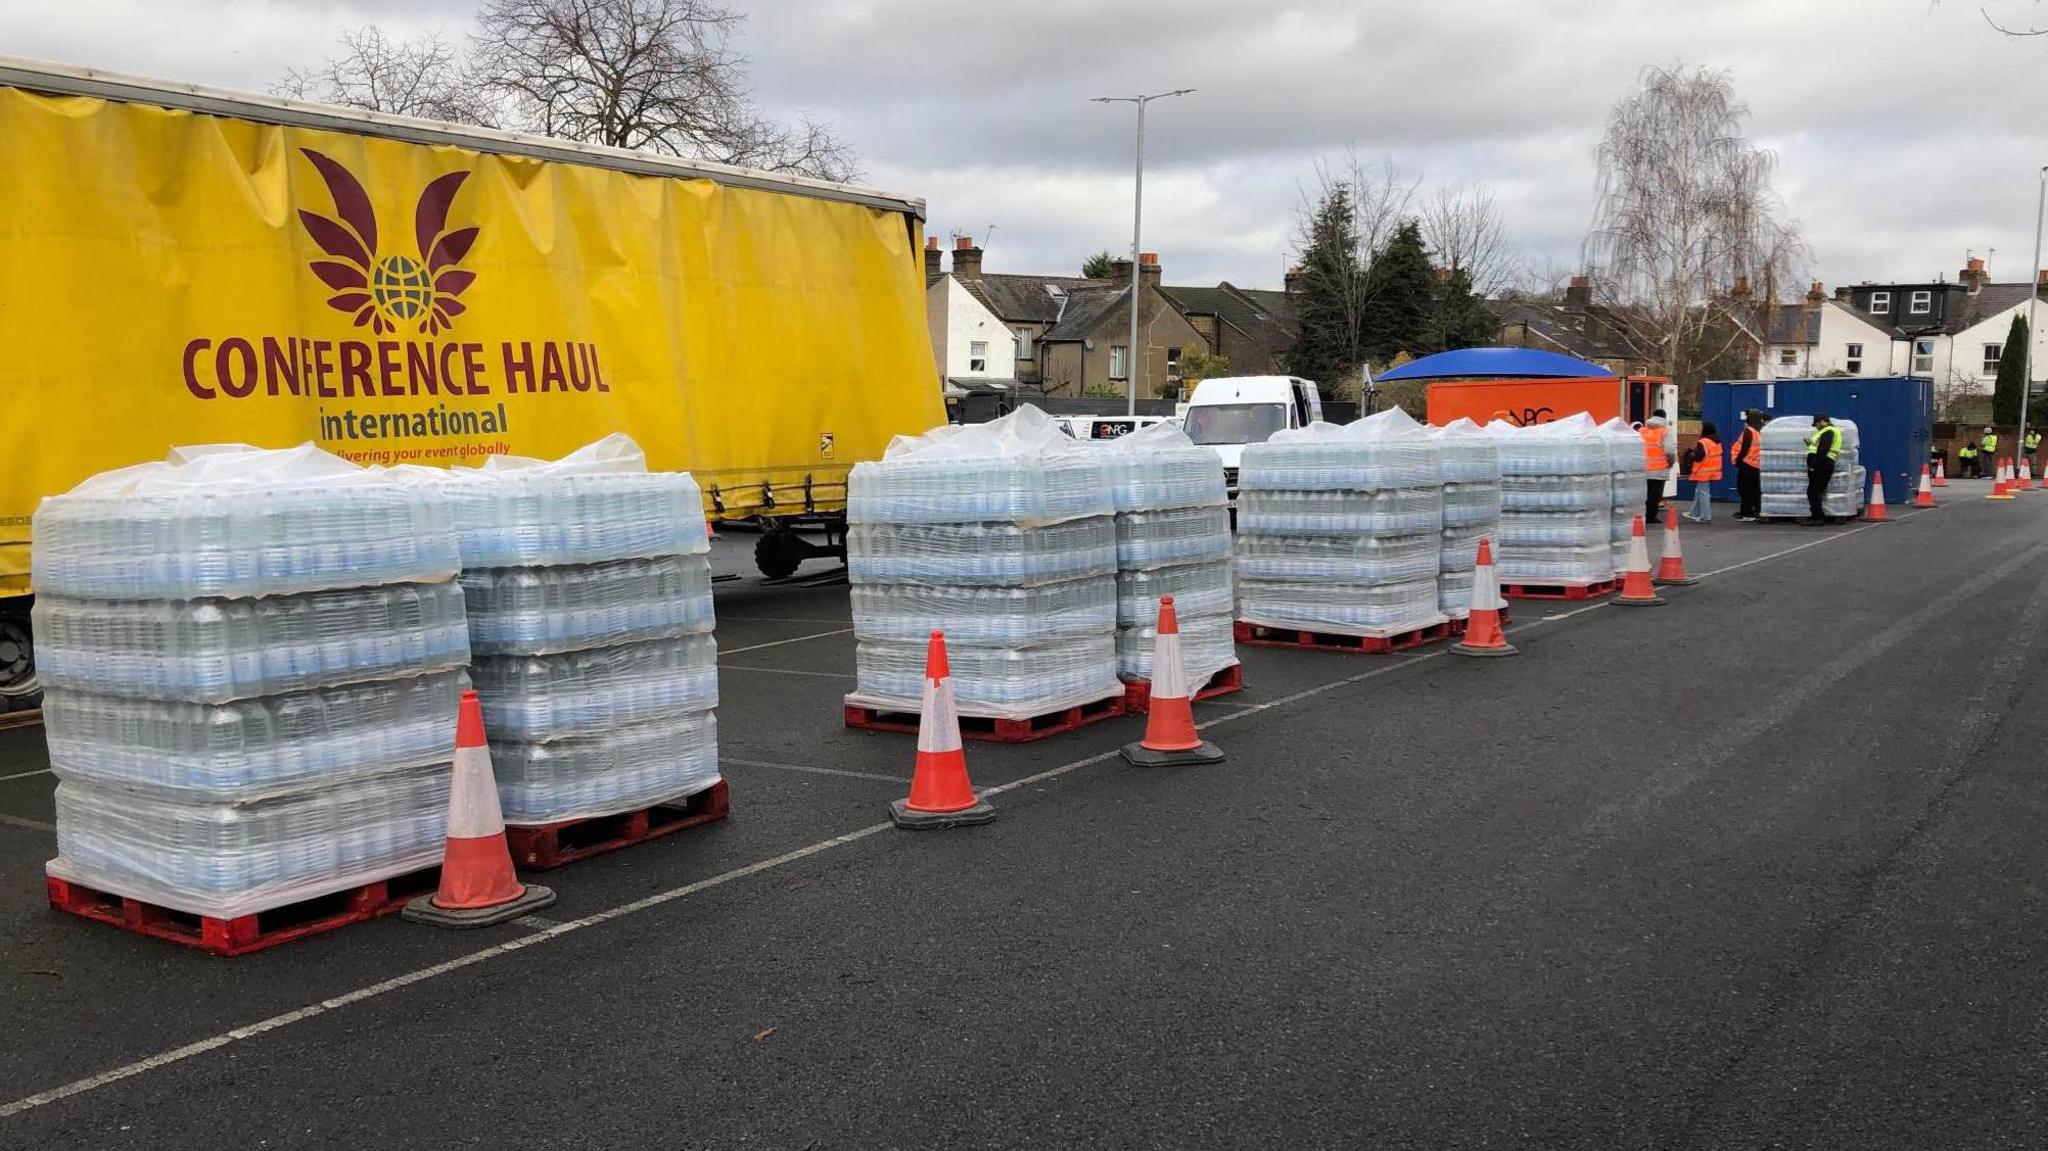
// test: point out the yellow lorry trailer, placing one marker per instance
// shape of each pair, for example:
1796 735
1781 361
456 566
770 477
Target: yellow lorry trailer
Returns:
181 265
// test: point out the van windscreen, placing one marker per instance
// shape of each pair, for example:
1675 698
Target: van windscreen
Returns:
1235 423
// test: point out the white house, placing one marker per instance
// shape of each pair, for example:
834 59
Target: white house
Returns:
968 340
1952 333
1825 337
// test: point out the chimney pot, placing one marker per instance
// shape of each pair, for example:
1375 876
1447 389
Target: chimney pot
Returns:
931 242
1817 294
1842 293
1580 292
1151 258
933 257
966 258
1976 263
962 243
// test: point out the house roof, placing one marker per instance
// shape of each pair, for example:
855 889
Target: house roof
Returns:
1024 299
1989 301
1265 316
1589 332
1086 309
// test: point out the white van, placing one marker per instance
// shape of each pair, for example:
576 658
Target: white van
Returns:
1102 428
1231 411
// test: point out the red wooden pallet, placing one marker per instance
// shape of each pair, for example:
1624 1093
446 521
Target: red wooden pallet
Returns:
243 933
1138 692
990 730
550 845
1259 635
1559 591
1458 625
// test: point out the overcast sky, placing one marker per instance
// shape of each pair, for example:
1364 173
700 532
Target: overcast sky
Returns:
1908 131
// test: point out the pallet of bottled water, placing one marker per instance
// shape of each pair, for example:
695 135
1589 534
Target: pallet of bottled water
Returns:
1557 503
1003 536
1172 538
251 663
1630 470
1471 465
588 582
1783 465
1340 529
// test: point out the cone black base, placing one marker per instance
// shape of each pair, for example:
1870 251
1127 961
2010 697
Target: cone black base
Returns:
1138 755
1649 601
900 811
1688 581
1484 652
422 910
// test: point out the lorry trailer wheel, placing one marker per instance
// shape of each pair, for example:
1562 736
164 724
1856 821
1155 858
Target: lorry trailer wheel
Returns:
779 552
19 687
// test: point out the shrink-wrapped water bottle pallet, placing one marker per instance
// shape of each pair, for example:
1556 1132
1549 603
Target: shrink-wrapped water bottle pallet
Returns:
1459 622
242 934
544 846
1261 635
991 729
1559 591
1138 692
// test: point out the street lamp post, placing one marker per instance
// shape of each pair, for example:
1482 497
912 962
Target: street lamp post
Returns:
1131 356
2033 296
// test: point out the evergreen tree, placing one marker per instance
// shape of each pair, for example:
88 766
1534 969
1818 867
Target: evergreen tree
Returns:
1332 283
2012 370
1402 298
1462 320
1096 267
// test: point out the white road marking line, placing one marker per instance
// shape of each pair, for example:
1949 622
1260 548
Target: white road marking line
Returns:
786 671
26 824
876 775
536 922
179 1054
792 639
24 775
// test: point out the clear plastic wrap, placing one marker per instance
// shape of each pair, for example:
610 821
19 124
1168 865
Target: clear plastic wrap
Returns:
1208 644
983 615
1001 682
1197 590
237 523
1593 492
1568 566
1322 457
1558 500
1629 472
216 650
1472 510
1470 505
252 748
1177 536
1341 608
1158 467
1345 559
981 553
231 859
619 769
1454 593
1017 469
1558 529
538 698
1784 470
1338 512
545 610
596 504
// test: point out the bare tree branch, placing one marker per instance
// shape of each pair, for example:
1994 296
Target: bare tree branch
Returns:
1463 229
2011 31
424 77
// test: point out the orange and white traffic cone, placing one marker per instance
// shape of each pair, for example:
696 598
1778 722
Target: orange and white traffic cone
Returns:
2026 475
940 794
1170 736
1924 498
478 887
1483 635
1636 588
1940 474
1874 511
1671 568
1999 490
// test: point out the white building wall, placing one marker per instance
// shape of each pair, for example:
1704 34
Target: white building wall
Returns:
967 321
1840 327
1969 372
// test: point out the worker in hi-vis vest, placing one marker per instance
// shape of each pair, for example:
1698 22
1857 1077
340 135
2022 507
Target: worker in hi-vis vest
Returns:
2030 442
1823 448
1703 467
1657 452
1967 455
1988 448
1749 467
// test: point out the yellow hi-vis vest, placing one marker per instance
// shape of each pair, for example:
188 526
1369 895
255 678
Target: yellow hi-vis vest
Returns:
1834 439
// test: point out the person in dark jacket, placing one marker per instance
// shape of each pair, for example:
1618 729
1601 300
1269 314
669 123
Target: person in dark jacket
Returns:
1823 448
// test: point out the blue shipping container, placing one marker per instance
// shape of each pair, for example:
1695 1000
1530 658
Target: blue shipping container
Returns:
1894 420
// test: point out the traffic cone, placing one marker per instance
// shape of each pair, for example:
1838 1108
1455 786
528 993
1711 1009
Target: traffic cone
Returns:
940 794
1940 474
1873 512
2026 475
1999 490
1483 636
1924 498
1671 568
478 888
1636 589
1170 736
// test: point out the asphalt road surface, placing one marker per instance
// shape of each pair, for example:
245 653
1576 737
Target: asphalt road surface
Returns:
1760 868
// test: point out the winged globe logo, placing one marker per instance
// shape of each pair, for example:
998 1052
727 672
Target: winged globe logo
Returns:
384 290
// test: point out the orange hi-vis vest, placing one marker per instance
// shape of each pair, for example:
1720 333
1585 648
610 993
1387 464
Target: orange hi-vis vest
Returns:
1749 450
1709 465
1653 449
